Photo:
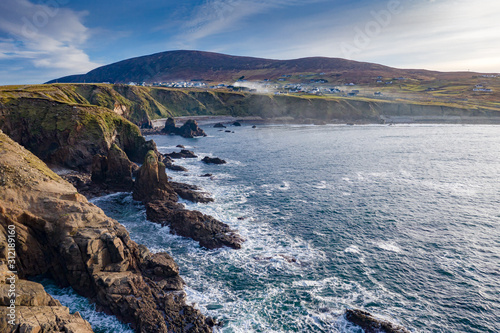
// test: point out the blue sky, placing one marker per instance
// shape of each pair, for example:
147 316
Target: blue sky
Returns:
46 39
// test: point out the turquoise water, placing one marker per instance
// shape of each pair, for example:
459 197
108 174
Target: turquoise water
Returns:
402 221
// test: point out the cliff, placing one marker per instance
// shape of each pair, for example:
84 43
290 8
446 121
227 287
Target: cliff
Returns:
65 133
25 111
61 234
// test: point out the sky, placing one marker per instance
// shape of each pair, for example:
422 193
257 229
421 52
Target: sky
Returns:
42 40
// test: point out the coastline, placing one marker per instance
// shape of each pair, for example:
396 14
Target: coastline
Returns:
383 120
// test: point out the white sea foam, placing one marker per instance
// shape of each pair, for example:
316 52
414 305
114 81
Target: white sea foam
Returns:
352 249
99 321
389 246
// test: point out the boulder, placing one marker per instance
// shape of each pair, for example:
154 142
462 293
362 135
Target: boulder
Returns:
370 324
236 123
213 160
160 197
219 125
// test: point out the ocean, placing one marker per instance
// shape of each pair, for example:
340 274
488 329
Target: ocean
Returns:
402 221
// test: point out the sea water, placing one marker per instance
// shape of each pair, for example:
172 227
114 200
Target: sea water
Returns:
401 221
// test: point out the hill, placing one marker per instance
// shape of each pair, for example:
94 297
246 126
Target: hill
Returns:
208 66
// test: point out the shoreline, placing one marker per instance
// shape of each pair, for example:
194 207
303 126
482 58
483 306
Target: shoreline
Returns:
383 120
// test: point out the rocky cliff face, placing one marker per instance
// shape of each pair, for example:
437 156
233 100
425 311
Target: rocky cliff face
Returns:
61 234
69 136
113 171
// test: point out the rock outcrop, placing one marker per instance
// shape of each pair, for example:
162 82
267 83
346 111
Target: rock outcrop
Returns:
160 197
152 182
169 164
190 192
113 171
370 324
213 160
189 129
184 153
61 234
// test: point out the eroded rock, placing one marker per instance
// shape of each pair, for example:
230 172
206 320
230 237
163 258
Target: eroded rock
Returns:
61 234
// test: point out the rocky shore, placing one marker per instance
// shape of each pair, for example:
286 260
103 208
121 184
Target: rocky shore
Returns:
59 233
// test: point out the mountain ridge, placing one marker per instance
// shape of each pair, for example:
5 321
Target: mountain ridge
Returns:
210 66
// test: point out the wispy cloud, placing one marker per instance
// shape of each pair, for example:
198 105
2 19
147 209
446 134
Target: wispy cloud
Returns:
433 34
221 16
46 36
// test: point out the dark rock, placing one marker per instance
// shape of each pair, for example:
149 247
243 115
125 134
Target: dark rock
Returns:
184 153
213 160
219 125
174 167
228 131
180 146
254 126
371 324
169 127
190 128
236 123
152 182
160 197
207 175
114 170
170 165
209 232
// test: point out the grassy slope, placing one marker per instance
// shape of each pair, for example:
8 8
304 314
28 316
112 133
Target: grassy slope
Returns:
141 104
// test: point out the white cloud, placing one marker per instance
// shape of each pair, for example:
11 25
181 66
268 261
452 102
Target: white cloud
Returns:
441 35
218 16
47 35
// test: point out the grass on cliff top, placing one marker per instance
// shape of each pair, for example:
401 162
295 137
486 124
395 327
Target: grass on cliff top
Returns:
160 102
7 144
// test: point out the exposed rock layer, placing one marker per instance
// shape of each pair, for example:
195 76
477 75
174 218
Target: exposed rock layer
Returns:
61 234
